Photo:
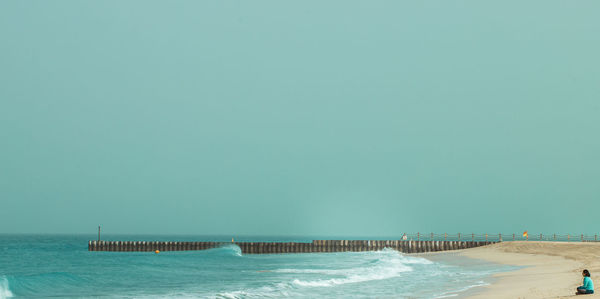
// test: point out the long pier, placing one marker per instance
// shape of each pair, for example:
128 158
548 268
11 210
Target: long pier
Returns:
289 247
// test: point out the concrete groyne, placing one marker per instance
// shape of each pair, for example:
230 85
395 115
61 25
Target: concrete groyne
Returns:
289 247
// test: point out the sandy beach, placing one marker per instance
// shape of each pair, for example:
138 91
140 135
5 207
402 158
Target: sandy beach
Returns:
552 269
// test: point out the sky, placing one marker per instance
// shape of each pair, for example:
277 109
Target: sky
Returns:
329 118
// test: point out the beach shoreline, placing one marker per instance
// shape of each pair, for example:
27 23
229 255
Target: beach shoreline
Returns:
456 258
549 269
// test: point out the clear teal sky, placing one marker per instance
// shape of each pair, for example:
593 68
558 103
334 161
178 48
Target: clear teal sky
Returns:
356 118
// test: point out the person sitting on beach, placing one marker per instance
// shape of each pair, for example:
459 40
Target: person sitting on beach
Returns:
588 285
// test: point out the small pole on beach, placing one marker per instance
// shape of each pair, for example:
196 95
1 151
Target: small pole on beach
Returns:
581 237
459 236
500 237
554 237
540 237
486 237
98 232
418 236
513 237
472 237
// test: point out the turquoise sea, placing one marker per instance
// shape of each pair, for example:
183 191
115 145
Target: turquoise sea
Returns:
59 266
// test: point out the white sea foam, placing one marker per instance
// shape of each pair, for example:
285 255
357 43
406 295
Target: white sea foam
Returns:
456 292
386 259
278 290
379 265
4 289
388 264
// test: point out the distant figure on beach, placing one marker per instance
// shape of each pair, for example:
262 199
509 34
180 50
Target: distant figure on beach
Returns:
588 285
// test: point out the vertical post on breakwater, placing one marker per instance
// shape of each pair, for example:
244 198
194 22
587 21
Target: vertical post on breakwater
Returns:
98 232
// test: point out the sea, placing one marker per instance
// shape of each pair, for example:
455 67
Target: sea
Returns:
60 266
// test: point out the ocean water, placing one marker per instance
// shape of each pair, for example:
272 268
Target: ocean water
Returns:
59 266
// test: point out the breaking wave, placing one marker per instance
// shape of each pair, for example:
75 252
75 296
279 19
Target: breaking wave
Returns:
373 266
226 250
4 289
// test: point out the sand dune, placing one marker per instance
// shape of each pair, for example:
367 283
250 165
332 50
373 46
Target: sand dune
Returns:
552 269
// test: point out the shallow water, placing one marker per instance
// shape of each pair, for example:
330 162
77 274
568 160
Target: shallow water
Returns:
33 266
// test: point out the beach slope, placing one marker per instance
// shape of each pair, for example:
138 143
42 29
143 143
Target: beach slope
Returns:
551 269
